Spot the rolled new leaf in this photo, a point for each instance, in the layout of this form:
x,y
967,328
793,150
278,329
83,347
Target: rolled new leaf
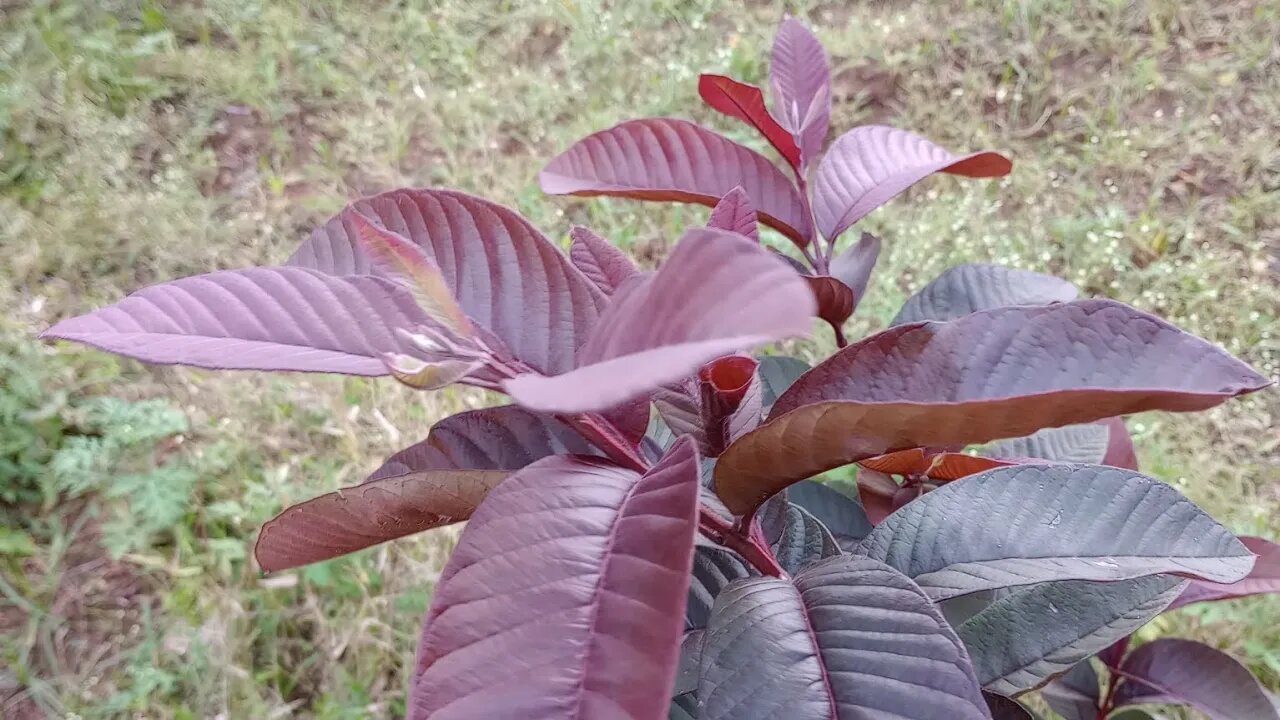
x,y
1058,522
649,337
577,567
870,165
847,638
1185,672
678,161
994,374
730,400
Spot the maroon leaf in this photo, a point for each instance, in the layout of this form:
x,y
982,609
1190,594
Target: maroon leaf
x,y
744,296
735,213
801,82
585,569
746,103
256,319
1120,452
853,266
834,299
1000,373
731,396
500,438
602,263
497,265
1263,579
362,516
1172,670
870,165
676,160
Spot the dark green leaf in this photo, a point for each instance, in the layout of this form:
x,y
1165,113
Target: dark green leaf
x,y
804,540
843,515
967,289
777,372
713,569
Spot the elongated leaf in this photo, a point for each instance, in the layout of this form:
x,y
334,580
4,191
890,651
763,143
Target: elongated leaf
x,y
713,569
505,275
1264,578
365,515
648,337
735,213
777,373
853,266
1058,522
994,374
870,165
850,638
1075,695
1027,637
579,569
746,103
1192,673
602,263
842,515
966,289
501,438
256,319
834,298
801,81
676,160
805,540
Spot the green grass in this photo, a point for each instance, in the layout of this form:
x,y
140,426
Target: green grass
x,y
142,141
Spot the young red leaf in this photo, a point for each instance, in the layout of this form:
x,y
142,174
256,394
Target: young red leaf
x,y
676,160
564,595
834,299
746,103
1000,373
801,81
1263,579
1120,452
256,319
649,336
505,275
362,516
966,289
735,213
853,266
730,395
870,165
602,263
1172,670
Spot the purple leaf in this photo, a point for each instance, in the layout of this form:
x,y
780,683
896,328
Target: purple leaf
x,y
1075,695
801,83
362,516
746,103
853,266
602,263
870,165
850,638
1192,673
994,374
500,438
744,297
578,569
256,319
966,289
1263,579
506,276
676,160
735,213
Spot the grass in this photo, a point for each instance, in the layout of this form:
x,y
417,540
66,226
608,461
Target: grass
x,y
141,141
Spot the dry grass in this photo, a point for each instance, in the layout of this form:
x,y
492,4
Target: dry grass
x,y
142,141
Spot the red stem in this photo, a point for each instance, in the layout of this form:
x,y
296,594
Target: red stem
x,y
818,258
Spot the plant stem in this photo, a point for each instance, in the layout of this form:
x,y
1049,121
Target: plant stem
x,y
818,258
840,339
606,436
717,530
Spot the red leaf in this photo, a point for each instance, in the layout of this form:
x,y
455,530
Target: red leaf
x,y
834,298
602,263
801,82
735,213
949,466
1000,373
1172,670
676,160
585,570
746,103
904,462
497,265
649,337
870,165
256,319
1264,579
362,516
731,397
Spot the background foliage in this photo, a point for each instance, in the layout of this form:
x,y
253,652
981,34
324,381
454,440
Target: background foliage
x,y
141,141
